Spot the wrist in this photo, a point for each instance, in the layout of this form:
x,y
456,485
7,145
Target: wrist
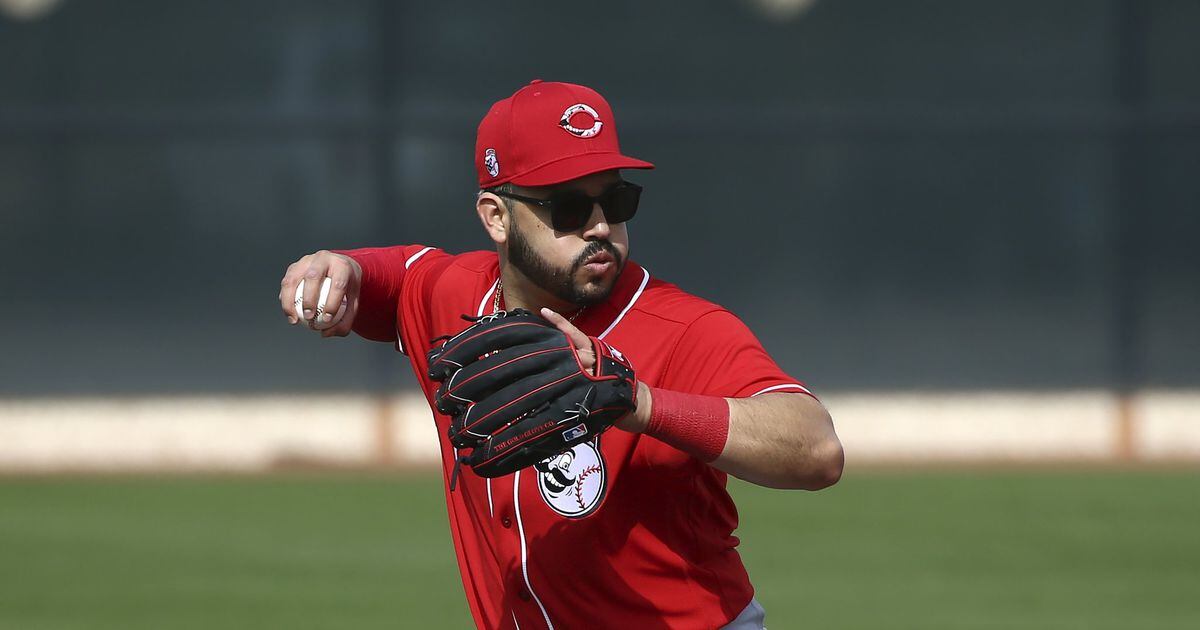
x,y
637,421
695,424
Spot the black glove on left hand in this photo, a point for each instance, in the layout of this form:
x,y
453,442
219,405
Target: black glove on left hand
x,y
517,393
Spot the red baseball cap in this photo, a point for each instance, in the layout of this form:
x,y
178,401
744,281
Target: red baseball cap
x,y
548,133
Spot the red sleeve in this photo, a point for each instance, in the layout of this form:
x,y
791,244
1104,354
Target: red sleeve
x,y
718,356
383,270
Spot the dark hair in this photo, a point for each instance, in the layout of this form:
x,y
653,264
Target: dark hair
x,y
506,187
501,190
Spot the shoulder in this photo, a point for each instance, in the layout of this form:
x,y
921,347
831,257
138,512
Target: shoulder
x,y
441,266
661,313
470,271
442,288
667,302
480,262
454,281
667,310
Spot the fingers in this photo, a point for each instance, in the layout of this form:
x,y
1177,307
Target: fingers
x,y
511,402
344,275
287,287
303,289
313,277
344,327
583,345
578,339
484,377
480,339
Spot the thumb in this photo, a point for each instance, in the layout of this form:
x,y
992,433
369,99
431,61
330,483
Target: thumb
x,y
583,345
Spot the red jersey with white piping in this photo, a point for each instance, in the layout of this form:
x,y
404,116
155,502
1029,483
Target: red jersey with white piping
x,y
623,531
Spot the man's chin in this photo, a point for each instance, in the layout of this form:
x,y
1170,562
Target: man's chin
x,y
596,289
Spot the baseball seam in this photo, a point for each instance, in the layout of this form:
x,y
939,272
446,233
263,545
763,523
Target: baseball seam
x,y
579,484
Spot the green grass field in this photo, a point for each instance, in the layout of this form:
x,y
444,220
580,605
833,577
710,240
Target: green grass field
x,y
931,549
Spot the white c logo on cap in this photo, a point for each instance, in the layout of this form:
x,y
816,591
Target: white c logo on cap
x,y
565,121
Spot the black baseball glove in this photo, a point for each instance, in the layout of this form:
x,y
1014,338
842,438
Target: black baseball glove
x,y
516,392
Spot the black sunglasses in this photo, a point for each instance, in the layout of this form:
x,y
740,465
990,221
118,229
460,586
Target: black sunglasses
x,y
571,209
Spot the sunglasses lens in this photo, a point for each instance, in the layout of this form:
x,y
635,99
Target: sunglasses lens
x,y
621,202
570,211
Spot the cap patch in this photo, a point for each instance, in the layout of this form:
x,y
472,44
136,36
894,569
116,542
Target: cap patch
x,y
491,162
580,132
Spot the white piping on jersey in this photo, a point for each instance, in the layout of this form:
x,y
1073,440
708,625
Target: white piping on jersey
x,y
514,614
408,263
524,555
412,259
487,297
517,475
785,386
636,295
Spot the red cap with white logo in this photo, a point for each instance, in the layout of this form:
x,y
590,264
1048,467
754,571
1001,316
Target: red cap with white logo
x,y
548,133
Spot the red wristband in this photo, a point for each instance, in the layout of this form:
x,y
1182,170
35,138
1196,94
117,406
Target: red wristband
x,y
697,425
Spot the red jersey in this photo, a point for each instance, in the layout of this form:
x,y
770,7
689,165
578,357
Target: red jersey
x,y
623,531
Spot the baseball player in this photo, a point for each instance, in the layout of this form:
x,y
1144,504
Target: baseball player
x,y
558,520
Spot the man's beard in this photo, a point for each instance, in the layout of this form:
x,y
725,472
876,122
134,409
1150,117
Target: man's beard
x,y
561,282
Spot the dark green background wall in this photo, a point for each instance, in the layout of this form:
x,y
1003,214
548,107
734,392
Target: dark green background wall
x,y
925,194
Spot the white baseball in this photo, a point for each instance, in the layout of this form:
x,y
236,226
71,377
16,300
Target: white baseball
x,y
315,323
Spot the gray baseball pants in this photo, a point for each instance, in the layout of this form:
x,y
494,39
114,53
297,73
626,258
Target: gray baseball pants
x,y
752,618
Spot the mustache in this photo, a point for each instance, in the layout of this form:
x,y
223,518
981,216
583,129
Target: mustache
x,y
595,247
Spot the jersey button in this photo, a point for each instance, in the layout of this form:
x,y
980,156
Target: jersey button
x,y
523,594
506,522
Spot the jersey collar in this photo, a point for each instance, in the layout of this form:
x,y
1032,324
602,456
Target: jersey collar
x,y
599,320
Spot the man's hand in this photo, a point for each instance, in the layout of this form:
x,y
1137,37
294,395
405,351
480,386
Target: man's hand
x,y
346,277
517,391
635,422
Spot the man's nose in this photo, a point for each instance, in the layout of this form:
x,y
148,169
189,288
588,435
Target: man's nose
x,y
597,225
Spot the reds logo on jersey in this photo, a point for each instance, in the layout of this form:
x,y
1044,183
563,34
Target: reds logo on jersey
x,y
573,482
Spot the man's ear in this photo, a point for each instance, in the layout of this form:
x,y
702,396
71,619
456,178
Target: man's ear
x,y
493,214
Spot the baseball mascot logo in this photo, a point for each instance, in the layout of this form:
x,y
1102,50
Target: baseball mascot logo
x,y
573,482
491,162
581,132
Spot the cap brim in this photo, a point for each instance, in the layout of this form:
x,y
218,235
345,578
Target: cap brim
x,y
577,166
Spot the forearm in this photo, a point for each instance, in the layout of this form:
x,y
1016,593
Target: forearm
x,y
779,440
782,441
379,290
